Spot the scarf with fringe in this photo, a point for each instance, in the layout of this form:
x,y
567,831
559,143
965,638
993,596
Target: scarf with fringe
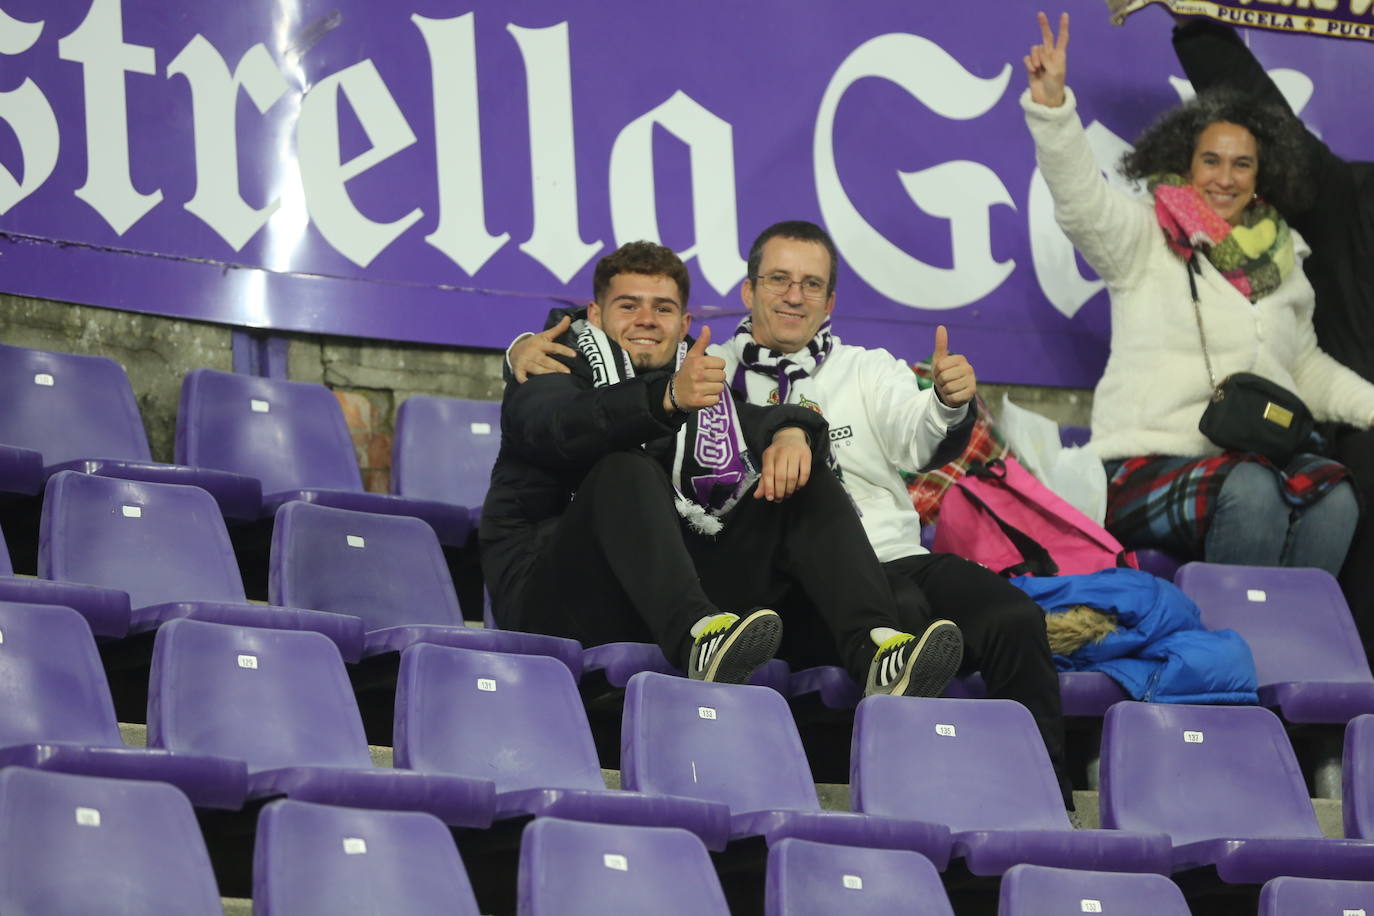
x,y
1255,256
712,466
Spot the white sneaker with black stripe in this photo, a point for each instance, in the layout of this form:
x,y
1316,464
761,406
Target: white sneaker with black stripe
x,y
911,667
731,648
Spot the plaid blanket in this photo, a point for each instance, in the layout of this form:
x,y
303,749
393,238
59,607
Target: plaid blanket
x,y
1166,503
985,443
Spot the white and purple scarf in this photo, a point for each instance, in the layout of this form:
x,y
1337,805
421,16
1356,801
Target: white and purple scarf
x,y
712,466
785,367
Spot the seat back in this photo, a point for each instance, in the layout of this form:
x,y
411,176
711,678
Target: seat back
x,y
444,448
387,569
322,860
572,868
821,879
983,764
1201,773
1288,895
51,679
79,844
159,542
729,743
67,406
7,568
289,435
517,720
1296,621
274,698
1035,890
1357,778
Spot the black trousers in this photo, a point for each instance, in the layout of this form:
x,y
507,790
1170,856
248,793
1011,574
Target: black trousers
x,y
1354,448
1004,635
620,564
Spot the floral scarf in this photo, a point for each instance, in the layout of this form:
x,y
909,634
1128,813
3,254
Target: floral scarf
x,y
1255,256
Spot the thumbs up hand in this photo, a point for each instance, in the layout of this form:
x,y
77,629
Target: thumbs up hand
x,y
700,380
955,383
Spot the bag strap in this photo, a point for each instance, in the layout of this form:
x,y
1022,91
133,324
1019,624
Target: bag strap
x,y
1191,266
1036,559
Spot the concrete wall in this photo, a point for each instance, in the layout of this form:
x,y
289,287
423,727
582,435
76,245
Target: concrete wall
x,y
370,378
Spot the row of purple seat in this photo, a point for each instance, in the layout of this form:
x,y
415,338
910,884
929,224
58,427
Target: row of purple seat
x,y
253,443
239,713
78,844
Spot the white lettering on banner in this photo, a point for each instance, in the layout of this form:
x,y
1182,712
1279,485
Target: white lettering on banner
x,y
556,241
27,111
710,145
325,177
962,192
1052,254
462,231
98,45
214,106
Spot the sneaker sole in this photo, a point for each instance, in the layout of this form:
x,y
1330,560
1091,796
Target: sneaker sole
x,y
753,643
934,661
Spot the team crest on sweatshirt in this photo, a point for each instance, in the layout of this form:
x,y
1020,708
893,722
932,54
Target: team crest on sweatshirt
x,y
804,402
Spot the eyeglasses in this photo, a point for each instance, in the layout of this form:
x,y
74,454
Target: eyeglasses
x,y
779,284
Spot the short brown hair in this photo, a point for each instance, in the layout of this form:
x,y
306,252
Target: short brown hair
x,y
641,258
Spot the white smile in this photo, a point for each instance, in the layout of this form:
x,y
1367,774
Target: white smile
x,y
789,316
644,342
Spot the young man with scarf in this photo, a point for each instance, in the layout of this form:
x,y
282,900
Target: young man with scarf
x,y
634,498
881,423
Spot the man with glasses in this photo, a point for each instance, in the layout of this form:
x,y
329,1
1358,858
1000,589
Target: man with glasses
x,y
881,423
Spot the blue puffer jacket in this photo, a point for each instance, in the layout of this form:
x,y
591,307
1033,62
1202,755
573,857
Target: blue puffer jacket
x,y
1159,651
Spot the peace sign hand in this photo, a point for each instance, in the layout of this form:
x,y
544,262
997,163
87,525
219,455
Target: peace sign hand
x,y
1047,62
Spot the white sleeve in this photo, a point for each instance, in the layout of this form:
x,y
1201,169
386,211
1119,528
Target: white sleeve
x,y
910,422
1109,227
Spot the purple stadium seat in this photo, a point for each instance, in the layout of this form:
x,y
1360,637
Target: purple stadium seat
x,y
50,669
280,699
1081,693
738,744
21,471
444,449
518,720
1289,896
984,772
1357,778
1224,783
821,879
322,860
1034,890
389,571
292,436
79,413
80,844
1307,652
620,661
168,549
106,610
573,868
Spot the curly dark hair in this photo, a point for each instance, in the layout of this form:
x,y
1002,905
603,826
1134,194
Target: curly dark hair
x,y
1168,144
641,258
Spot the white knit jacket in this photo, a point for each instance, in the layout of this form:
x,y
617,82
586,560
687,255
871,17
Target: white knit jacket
x,y
1155,386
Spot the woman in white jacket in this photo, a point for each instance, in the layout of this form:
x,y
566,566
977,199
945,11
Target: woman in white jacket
x,y
1220,169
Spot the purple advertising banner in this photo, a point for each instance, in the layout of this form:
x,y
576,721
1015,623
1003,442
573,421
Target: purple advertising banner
x,y
428,170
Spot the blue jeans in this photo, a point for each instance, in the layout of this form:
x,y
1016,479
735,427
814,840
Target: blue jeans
x,y
1253,526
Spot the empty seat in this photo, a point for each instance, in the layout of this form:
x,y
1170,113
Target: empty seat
x,y
292,436
821,879
168,549
617,662
738,744
62,718
389,571
281,700
79,413
1308,655
984,771
323,860
74,845
444,450
1357,778
1287,896
1224,783
518,721
1034,890
573,868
